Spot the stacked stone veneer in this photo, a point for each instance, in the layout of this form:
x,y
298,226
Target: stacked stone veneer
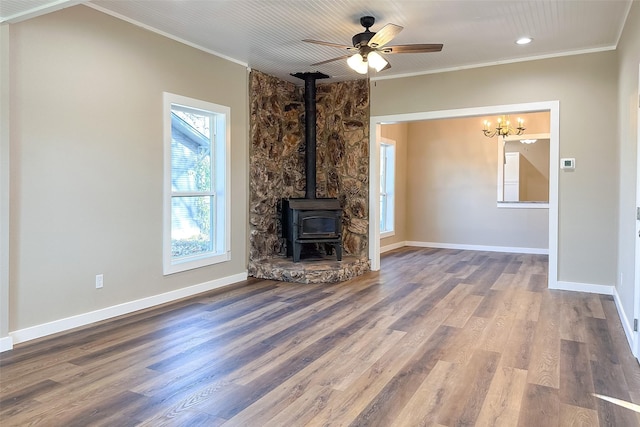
x,y
277,166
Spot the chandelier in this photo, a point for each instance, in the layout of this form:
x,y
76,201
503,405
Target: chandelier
x,y
503,128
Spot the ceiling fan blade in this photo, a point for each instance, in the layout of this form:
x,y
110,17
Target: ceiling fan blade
x,y
386,67
341,46
385,35
413,48
331,60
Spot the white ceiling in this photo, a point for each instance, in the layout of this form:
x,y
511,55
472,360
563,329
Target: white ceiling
x,y
267,34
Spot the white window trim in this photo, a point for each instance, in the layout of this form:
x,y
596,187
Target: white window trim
x,y
392,231
222,147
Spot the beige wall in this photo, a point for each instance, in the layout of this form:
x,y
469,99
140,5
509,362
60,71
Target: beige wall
x,y
452,188
399,134
87,161
586,87
628,62
4,185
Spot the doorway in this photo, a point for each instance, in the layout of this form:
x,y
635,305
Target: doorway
x,y
553,107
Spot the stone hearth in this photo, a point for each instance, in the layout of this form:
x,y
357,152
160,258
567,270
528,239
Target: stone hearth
x,y
321,269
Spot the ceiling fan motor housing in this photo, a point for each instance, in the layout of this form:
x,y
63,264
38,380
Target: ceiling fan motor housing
x,y
362,39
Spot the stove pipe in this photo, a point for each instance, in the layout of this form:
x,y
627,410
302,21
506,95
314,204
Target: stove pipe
x,y
310,129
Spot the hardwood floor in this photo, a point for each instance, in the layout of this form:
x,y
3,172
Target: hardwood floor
x,y
437,337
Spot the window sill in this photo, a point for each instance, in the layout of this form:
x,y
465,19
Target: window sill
x,y
524,205
190,264
386,234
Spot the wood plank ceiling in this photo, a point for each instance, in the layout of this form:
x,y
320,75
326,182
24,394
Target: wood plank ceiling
x,y
267,34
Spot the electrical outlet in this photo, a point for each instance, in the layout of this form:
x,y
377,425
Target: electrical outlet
x,y
99,281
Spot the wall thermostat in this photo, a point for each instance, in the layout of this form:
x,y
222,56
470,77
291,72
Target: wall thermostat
x,y
568,164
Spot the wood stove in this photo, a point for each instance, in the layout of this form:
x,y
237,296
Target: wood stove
x,y
311,220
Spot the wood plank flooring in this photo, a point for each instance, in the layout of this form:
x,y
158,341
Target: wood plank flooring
x,y
436,338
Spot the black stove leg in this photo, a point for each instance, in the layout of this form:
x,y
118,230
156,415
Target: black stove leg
x,y
297,248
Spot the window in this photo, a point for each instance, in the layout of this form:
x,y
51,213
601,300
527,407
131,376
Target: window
x,y
387,185
196,183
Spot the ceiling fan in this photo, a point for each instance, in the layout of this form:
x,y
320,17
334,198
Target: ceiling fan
x,y
368,47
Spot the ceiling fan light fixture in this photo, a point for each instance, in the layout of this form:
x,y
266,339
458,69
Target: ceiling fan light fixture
x,y
376,61
368,47
358,64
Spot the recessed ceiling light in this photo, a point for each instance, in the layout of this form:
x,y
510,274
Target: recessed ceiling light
x,y
524,40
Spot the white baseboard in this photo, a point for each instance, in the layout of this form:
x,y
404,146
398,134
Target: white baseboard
x,y
392,246
583,287
6,343
624,319
84,319
517,250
